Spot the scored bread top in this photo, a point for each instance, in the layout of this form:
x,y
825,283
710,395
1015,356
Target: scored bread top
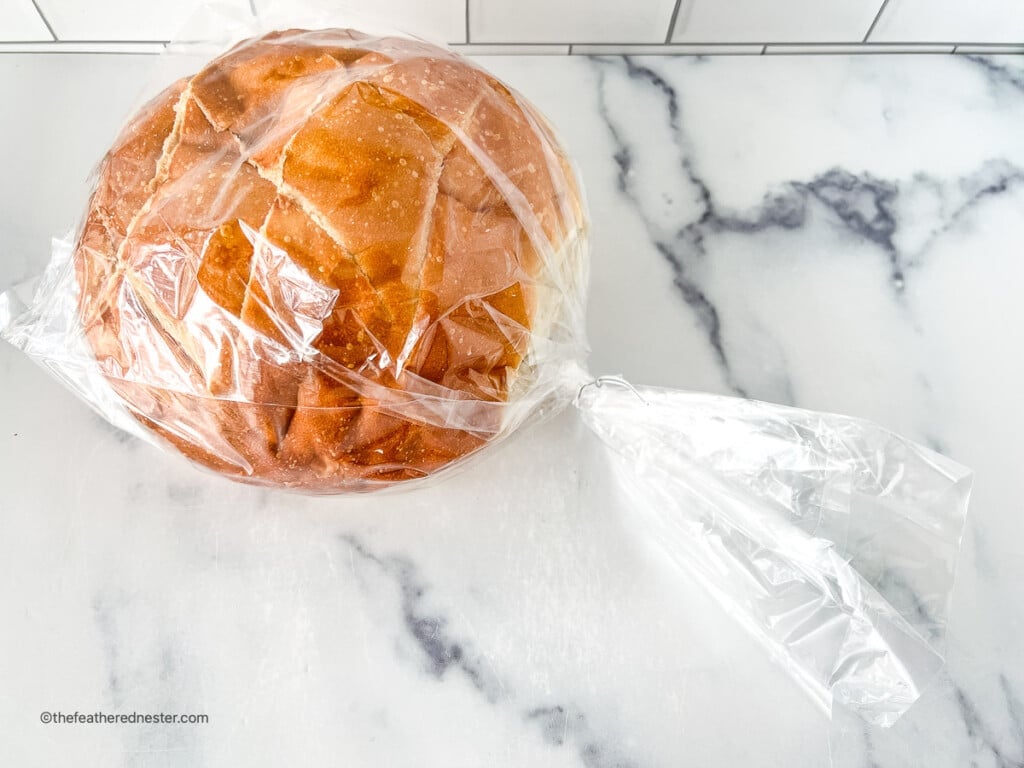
x,y
321,261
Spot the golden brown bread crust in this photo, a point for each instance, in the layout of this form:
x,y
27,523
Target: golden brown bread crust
x,y
316,262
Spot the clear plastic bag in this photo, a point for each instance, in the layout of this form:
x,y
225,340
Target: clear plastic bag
x,y
337,262
829,538
329,261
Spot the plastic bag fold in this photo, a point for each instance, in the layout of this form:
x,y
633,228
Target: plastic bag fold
x,y
830,539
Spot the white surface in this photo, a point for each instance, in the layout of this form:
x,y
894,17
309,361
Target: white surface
x,y
442,21
766,21
978,21
83,47
840,233
569,21
861,48
566,21
990,49
117,19
691,50
20,21
498,49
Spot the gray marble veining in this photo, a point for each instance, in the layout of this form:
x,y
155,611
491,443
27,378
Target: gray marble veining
x,y
837,233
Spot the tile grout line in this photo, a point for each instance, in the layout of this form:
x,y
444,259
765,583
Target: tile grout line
x,y
901,52
875,21
672,21
467,22
79,53
46,21
56,51
57,44
61,46
649,44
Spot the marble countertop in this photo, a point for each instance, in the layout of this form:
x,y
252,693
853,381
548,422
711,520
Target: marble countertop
x,y
838,233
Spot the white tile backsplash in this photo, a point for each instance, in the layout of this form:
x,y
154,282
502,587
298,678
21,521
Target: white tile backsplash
x,y
499,49
442,21
116,19
86,46
678,50
858,48
967,21
20,21
569,21
766,21
991,50
566,26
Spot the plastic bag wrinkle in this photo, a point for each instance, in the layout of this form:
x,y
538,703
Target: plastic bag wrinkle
x,y
227,296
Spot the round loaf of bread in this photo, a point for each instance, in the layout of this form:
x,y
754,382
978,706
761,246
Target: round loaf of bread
x,y
331,261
